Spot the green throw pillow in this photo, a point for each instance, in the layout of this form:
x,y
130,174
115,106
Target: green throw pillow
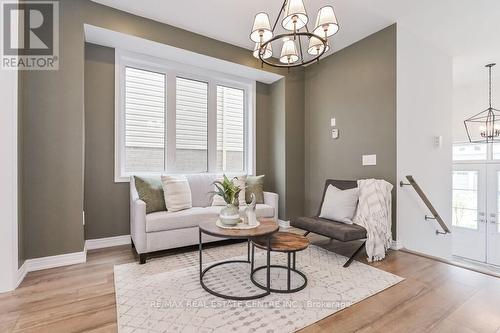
x,y
150,191
255,185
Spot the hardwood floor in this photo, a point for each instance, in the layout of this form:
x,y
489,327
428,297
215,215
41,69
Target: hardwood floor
x,y
435,297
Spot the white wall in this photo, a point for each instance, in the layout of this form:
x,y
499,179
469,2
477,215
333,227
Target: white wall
x,y
424,110
8,179
470,98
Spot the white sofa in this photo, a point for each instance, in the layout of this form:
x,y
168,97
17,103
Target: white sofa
x,y
167,230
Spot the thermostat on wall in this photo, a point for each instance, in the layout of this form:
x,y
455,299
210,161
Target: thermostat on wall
x,y
335,133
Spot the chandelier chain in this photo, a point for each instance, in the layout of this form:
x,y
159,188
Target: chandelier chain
x,y
490,86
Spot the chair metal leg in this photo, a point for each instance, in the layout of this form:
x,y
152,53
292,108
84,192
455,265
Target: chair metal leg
x,y
307,233
349,261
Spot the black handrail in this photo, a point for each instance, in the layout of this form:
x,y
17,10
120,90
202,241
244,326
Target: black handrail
x,y
435,214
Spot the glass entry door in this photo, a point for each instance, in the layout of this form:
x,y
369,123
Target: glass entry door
x,y
476,212
492,217
469,211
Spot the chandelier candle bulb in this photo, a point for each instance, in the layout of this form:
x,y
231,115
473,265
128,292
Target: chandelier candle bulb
x,y
316,46
267,52
261,31
289,52
295,15
326,22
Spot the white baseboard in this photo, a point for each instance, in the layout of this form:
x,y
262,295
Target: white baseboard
x,y
284,224
396,245
21,274
66,259
100,243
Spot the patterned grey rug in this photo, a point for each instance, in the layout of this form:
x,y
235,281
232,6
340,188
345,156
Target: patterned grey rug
x,y
165,295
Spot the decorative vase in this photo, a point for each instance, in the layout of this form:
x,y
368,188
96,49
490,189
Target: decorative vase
x,y
251,217
230,215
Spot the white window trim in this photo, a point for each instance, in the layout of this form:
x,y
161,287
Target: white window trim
x,y
172,70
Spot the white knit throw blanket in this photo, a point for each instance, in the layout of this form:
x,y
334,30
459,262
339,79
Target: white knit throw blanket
x,y
374,213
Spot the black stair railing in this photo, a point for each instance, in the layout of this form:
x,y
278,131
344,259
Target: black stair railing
x,y
435,214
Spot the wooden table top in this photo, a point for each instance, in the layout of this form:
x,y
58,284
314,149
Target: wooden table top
x,y
284,242
267,226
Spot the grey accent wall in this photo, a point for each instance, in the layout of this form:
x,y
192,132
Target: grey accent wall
x,y
21,255
284,123
294,140
52,147
52,125
357,86
276,123
106,203
262,130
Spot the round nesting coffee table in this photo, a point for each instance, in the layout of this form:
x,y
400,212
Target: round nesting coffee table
x,y
285,242
264,231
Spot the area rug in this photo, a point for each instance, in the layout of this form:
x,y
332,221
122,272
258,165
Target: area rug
x,y
165,295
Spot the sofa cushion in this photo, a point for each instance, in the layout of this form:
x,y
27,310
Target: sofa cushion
x,y
201,189
161,221
177,193
339,205
336,230
255,185
150,191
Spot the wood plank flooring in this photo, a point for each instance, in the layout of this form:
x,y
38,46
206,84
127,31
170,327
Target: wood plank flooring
x,y
435,297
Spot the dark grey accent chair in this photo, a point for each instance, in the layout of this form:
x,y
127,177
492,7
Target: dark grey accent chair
x,y
336,230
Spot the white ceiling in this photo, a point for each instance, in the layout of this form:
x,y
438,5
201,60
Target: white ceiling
x,y
468,30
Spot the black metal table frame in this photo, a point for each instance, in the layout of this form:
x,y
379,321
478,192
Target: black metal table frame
x,y
206,269
290,267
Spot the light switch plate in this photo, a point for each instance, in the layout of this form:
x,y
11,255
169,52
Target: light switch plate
x,y
438,141
333,122
369,159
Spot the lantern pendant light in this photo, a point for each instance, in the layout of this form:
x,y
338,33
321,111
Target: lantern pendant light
x,y
484,127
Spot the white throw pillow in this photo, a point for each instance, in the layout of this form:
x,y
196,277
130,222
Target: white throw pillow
x,y
177,193
240,181
339,205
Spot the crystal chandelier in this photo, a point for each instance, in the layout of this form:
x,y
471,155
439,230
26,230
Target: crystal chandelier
x,y
295,37
484,126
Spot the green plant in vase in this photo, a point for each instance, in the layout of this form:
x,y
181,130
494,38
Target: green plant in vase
x,y
229,191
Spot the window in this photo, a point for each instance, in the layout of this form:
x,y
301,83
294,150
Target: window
x,y
173,118
496,151
144,120
191,126
465,199
230,129
469,152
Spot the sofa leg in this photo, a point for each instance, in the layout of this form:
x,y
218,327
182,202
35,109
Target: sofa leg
x,y
349,261
142,258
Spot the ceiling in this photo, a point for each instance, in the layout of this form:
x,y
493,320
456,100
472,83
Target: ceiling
x,y
468,30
